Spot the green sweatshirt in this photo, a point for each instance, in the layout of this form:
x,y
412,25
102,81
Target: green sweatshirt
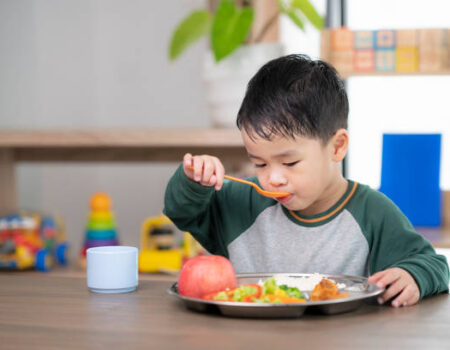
x,y
364,232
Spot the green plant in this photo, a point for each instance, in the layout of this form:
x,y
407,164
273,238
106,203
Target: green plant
x,y
230,25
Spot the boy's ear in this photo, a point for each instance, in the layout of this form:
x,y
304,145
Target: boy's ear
x,y
339,145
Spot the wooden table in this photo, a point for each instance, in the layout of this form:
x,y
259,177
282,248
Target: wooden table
x,y
56,311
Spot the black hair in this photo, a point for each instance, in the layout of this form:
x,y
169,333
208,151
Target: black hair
x,y
294,96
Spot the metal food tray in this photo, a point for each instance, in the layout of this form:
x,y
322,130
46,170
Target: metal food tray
x,y
358,288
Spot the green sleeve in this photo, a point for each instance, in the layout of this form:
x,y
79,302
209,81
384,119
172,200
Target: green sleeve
x,y
214,218
393,242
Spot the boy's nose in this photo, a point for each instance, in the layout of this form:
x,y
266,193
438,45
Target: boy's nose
x,y
277,179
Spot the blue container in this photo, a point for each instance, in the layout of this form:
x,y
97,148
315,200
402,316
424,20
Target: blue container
x,y
410,175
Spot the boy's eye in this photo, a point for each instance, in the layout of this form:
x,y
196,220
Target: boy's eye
x,y
260,165
291,163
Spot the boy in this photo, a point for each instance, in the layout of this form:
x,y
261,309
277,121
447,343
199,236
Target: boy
x,y
293,122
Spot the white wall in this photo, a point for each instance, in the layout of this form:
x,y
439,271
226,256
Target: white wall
x,y
415,104
297,41
96,64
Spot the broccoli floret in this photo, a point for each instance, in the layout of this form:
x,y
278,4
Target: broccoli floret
x,y
293,292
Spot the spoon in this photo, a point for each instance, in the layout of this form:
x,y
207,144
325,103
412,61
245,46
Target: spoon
x,y
257,188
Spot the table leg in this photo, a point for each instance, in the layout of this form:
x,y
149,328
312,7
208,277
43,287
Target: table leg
x,y
8,199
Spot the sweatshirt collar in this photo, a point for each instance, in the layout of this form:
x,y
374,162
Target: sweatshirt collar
x,y
321,218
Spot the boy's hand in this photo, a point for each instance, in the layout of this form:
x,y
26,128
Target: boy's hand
x,y
398,282
207,170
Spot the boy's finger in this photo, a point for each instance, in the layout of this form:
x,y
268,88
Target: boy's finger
x,y
391,291
377,276
198,168
208,171
187,160
406,297
390,277
220,172
411,297
212,180
187,165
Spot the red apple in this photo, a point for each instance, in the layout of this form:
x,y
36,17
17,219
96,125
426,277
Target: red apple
x,y
206,274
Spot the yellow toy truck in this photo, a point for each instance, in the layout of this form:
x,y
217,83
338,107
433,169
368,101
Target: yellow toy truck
x,y
164,248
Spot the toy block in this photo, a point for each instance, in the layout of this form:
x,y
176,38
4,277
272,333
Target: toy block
x,y
341,39
431,60
325,45
385,39
407,37
407,59
432,38
385,60
364,39
433,50
342,61
448,50
364,60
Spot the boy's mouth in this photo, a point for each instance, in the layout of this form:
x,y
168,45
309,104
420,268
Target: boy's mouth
x,y
284,199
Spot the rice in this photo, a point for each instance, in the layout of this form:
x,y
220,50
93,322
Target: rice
x,y
304,283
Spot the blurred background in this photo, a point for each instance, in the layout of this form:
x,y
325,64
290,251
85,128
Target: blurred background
x,y
104,64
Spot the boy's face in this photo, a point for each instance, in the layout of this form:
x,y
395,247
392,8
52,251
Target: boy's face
x,y
304,167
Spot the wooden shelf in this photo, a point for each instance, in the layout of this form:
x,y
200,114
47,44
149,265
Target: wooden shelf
x,y
119,145
421,52
122,138
346,75
152,145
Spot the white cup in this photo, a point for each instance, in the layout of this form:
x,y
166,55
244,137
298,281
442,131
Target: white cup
x,y
112,269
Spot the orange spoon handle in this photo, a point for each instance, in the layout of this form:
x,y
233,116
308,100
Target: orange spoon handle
x,y
258,189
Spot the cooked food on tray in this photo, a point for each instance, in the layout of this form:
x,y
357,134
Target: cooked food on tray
x,y
305,283
271,292
326,290
268,292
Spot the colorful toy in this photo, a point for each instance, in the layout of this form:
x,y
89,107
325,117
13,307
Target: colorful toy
x,y
30,240
385,39
407,37
342,39
404,50
407,59
364,39
101,226
160,251
434,50
364,60
385,60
